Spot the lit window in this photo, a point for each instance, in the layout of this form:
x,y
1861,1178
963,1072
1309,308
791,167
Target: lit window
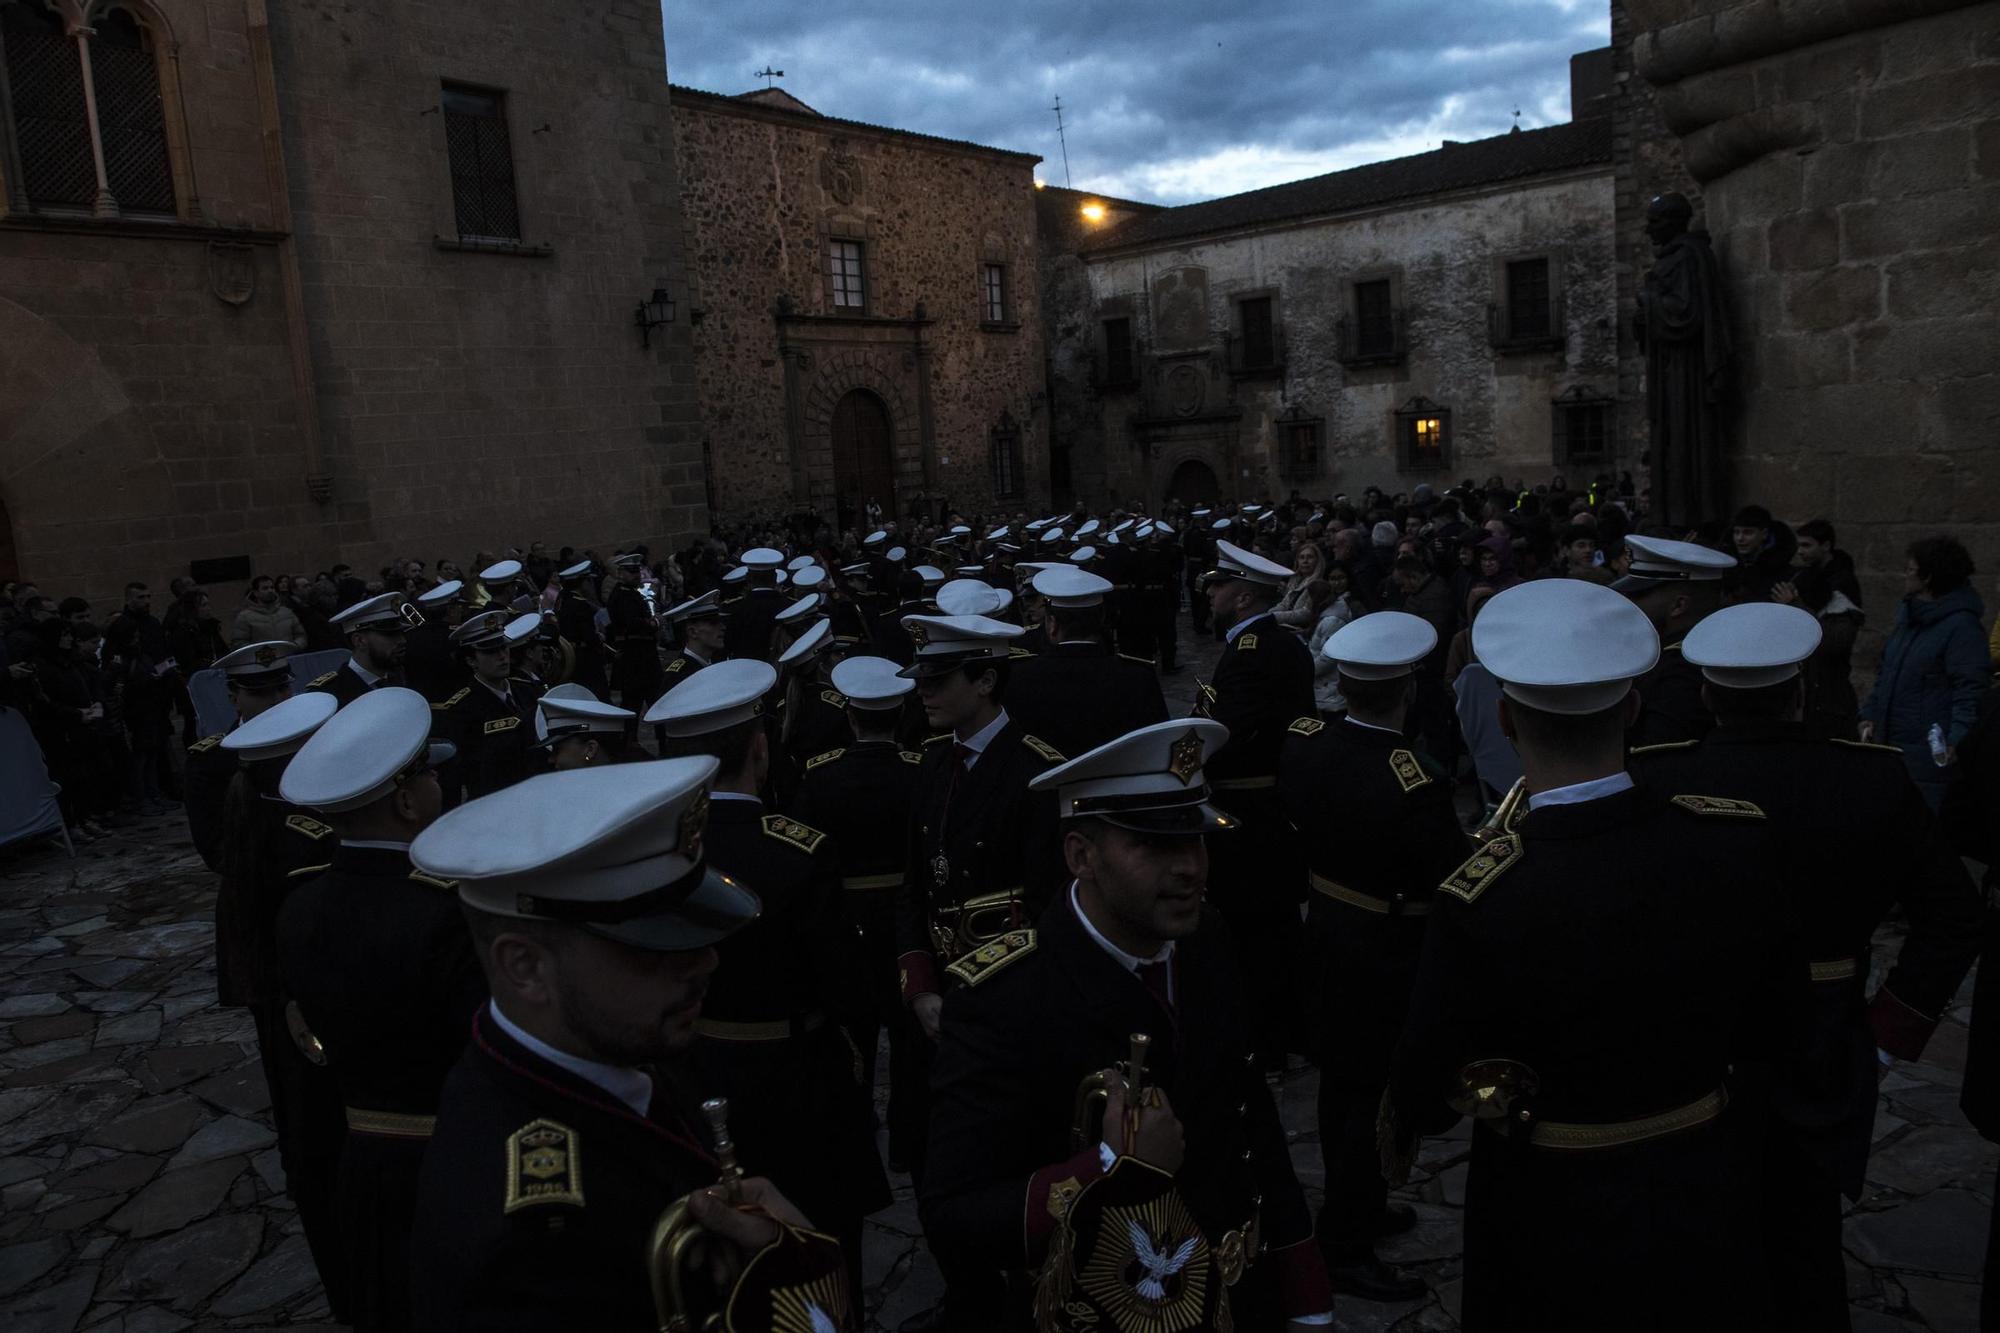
x,y
843,260
1423,436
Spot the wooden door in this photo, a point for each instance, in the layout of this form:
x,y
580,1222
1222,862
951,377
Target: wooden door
x,y
864,458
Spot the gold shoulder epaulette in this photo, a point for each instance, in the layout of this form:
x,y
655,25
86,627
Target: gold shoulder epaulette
x,y
1482,868
941,736
453,701
303,871
987,959
318,681
542,1166
1245,642
501,724
675,667
1043,748
1666,745
1130,658
802,836
911,756
307,825
1720,805
1306,726
1409,770
834,697
432,880
1019,652
826,758
1866,745
205,744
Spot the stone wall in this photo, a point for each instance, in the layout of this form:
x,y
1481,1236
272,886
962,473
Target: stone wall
x,y
147,405
1849,159
472,399
765,187
1444,255
294,371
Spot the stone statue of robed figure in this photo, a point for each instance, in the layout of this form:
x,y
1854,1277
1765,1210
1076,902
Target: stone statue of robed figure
x,y
1683,324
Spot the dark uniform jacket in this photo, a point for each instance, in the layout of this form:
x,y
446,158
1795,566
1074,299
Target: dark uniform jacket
x,y
1627,950
773,1036
679,667
377,957
635,674
1262,682
1857,836
344,684
1378,833
818,724
431,663
749,630
576,620
495,737
1019,1035
1077,696
289,841
861,796
976,837
539,1195
1670,706
204,788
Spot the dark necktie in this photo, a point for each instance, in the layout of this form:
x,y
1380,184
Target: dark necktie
x,y
1156,980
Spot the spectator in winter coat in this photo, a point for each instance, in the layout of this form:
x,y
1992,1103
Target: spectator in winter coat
x,y
1934,666
265,618
1824,584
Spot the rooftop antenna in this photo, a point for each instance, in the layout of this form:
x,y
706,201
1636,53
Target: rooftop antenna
x,y
767,74
1517,120
1064,139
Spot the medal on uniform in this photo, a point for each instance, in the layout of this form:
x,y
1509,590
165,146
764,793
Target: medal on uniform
x,y
940,870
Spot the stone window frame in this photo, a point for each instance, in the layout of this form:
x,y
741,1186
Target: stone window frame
x,y
854,231
1291,465
1420,408
1501,333
1562,450
1115,308
515,111
1006,321
1234,338
1348,325
77,17
1006,462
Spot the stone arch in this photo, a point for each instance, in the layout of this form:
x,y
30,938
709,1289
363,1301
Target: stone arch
x,y
834,375
1174,458
80,469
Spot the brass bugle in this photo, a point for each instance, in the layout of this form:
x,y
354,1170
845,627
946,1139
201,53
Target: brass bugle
x,y
1093,1092
1505,813
677,1258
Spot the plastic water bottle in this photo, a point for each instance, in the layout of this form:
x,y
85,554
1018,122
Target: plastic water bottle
x,y
1939,749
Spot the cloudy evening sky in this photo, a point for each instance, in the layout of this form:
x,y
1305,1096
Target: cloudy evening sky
x,y
1169,100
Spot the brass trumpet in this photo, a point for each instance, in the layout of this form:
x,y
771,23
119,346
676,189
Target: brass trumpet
x,y
678,1257
1093,1092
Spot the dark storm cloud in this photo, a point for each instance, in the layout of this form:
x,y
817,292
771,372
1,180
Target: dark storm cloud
x,y
1169,101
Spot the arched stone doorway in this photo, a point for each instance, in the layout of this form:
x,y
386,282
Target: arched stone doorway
x,y
864,458
1193,483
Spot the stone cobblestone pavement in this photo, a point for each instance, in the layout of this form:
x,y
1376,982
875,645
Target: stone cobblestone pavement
x,y
140,1190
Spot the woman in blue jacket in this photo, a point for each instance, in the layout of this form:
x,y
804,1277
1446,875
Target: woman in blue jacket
x,y
1934,665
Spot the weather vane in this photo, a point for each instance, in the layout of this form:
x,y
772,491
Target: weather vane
x,y
767,74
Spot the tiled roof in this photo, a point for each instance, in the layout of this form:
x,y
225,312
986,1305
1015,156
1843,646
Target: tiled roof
x,y
1505,157
697,97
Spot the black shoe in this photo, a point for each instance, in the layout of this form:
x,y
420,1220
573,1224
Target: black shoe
x,y
1394,1220
1373,1280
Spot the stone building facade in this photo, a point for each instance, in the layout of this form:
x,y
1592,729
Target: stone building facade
x,y
1425,319
1849,167
869,314
360,280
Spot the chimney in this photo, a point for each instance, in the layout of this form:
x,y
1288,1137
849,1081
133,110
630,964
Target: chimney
x,y
1590,84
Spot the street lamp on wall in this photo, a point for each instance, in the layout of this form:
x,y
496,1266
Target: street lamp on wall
x,y
651,313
